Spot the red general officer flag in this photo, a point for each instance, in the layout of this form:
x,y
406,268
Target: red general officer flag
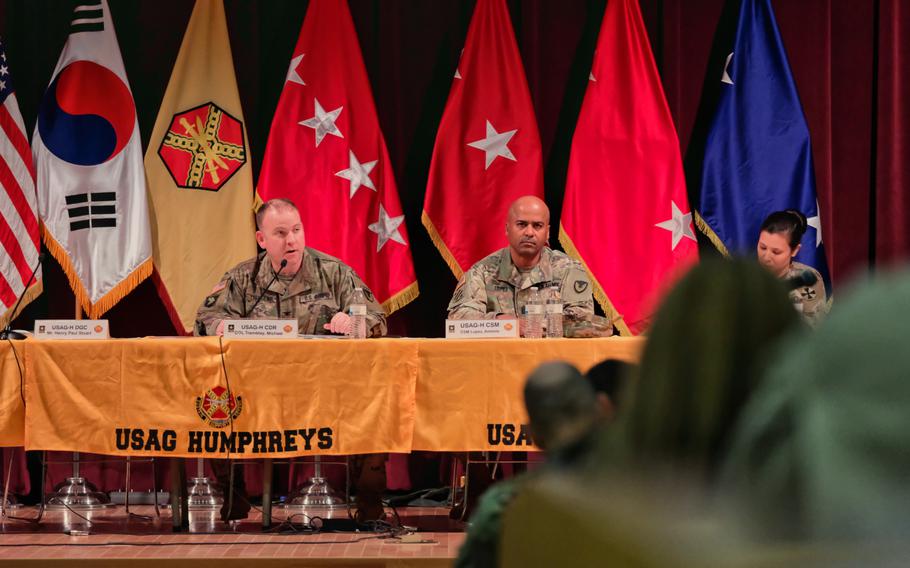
x,y
487,150
626,215
327,154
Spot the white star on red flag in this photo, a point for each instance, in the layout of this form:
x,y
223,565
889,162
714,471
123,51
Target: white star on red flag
x,y
293,76
386,228
494,145
679,224
323,122
358,173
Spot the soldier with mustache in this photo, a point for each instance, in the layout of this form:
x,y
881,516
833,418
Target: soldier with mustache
x,y
498,286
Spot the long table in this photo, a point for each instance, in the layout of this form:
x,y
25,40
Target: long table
x,y
242,398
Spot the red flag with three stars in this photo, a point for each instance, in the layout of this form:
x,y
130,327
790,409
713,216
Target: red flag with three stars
x,y
327,154
487,150
626,215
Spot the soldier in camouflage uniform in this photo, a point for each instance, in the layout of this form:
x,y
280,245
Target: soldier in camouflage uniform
x,y
778,244
498,286
315,289
322,288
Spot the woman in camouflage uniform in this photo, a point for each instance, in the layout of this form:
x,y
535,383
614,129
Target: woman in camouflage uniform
x,y
778,244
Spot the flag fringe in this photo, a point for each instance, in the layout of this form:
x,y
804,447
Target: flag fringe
x,y
33,292
599,293
121,290
168,303
712,236
401,298
106,302
440,245
66,264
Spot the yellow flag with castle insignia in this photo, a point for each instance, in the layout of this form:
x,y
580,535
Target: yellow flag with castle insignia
x,y
199,179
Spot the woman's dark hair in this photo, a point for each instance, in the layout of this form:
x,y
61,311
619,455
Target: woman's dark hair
x,y
790,221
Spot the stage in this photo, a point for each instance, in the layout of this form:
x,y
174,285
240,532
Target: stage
x,y
116,539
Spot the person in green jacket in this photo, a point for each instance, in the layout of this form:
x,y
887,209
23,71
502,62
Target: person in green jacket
x,y
565,413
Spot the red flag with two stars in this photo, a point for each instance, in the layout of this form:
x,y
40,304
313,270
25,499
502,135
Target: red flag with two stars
x,y
487,150
626,215
327,154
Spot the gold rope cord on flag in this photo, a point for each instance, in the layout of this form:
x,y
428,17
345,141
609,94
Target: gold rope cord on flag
x,y
109,300
30,294
601,296
401,298
712,236
440,245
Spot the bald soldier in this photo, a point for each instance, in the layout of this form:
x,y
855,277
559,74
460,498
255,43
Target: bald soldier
x,y
498,286
312,287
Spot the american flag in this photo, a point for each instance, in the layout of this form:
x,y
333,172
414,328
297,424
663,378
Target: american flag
x,y
19,239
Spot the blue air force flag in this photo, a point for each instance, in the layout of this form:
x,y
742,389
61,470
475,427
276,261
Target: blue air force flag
x,y
758,158
88,160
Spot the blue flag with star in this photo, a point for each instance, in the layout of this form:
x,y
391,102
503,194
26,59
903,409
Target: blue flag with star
x,y
758,158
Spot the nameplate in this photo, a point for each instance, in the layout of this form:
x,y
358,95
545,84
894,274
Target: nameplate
x,y
72,329
260,328
481,329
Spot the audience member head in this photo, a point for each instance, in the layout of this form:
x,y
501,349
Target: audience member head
x,y
561,405
707,349
608,378
823,448
779,238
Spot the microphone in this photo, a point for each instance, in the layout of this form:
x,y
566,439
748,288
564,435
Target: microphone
x,y
8,332
802,279
284,262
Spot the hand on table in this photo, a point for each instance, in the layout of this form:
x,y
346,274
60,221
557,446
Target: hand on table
x,y
341,323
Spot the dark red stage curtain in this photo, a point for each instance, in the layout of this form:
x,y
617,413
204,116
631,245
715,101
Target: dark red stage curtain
x,y
892,203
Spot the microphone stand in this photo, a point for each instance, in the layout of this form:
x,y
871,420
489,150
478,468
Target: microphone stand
x,y
8,332
284,262
229,491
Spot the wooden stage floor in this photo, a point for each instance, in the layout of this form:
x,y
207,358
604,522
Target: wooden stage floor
x,y
139,539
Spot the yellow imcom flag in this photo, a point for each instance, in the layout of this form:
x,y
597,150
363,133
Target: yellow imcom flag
x,y
198,164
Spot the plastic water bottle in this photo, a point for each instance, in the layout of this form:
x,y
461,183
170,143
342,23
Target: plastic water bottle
x,y
535,315
554,312
358,313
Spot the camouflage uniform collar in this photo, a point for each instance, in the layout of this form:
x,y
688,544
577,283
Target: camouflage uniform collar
x,y
796,267
301,282
509,273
